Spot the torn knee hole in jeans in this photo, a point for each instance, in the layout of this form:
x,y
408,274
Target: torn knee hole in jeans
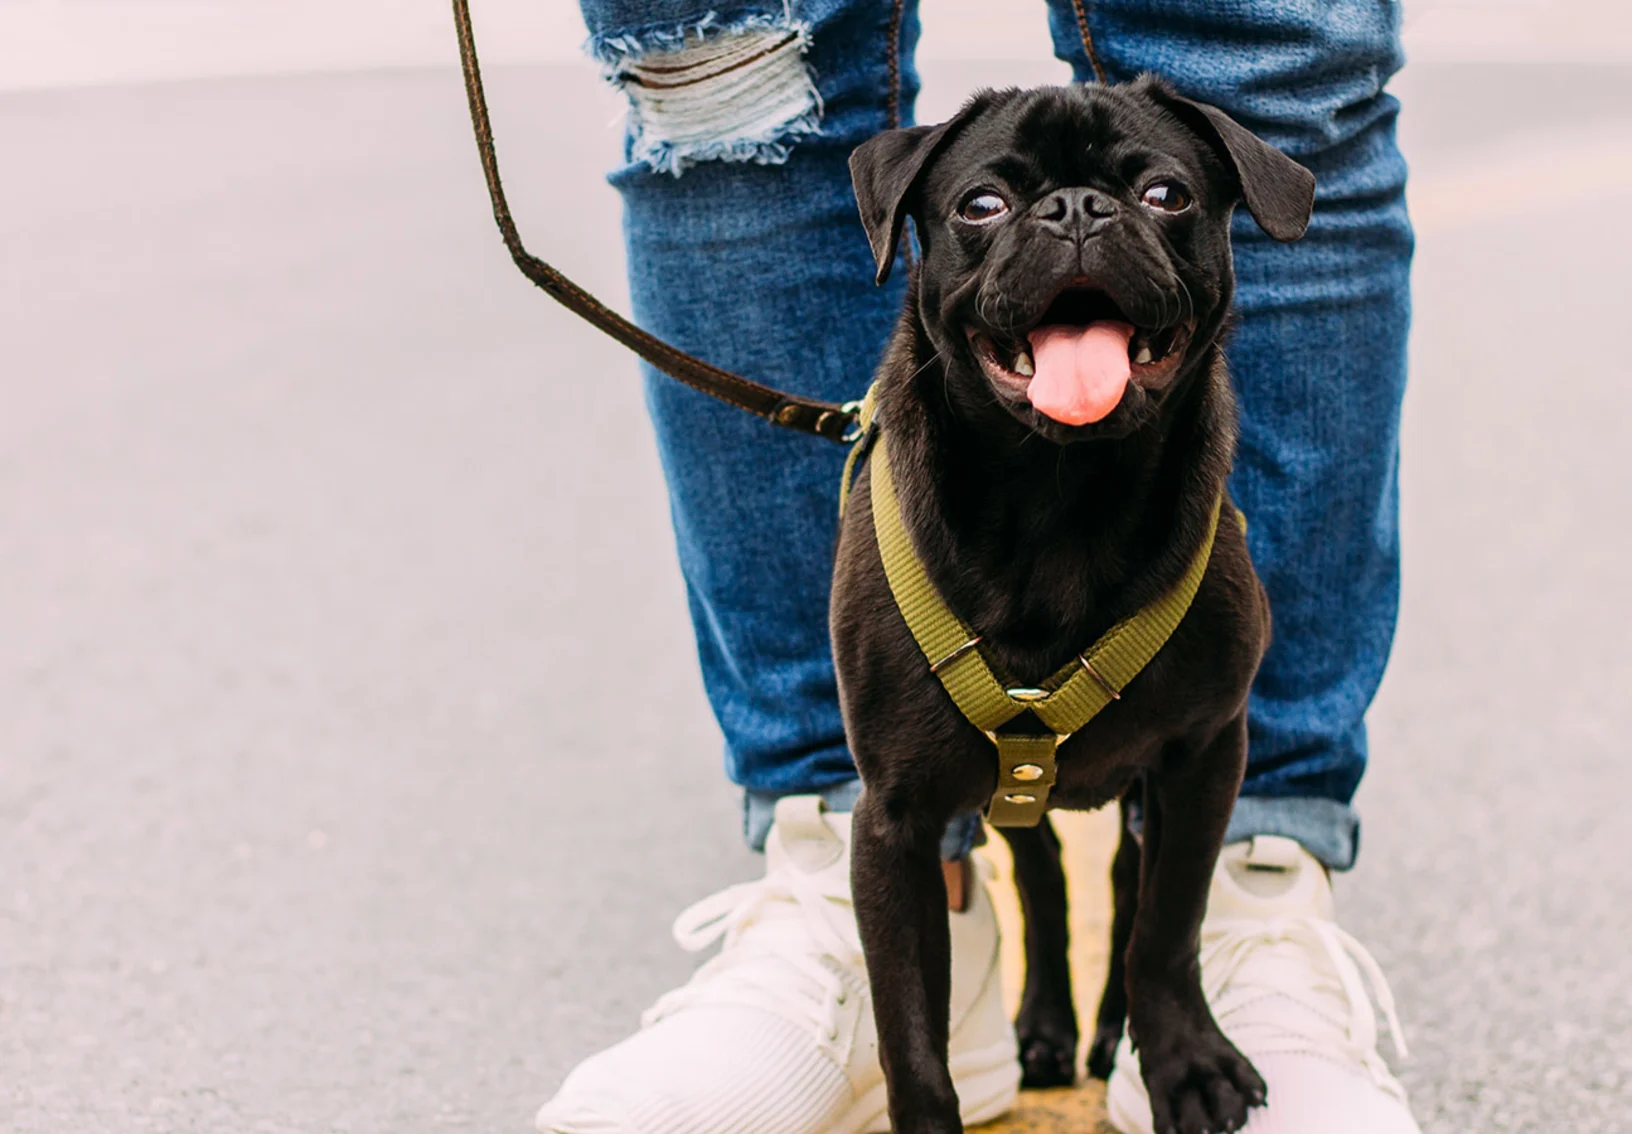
x,y
705,93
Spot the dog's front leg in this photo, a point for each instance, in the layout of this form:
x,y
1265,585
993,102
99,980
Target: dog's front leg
x,y
900,896
1198,1082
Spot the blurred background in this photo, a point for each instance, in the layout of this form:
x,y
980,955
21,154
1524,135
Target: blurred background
x,y
323,538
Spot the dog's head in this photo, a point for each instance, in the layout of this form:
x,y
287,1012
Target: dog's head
x,y
1076,245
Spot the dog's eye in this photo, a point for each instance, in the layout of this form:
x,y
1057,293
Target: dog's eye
x,y
982,206
1167,197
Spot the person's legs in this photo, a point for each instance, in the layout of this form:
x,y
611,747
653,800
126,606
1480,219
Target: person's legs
x,y
744,248
1319,360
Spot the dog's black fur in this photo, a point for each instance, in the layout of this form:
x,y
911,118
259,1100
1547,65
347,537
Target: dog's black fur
x,y
1042,536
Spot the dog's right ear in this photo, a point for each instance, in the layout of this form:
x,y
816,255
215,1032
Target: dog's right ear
x,y
884,170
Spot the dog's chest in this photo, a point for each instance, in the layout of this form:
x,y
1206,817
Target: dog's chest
x,y
1092,775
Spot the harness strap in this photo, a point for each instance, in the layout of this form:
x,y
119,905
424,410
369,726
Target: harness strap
x,y
824,419
1069,699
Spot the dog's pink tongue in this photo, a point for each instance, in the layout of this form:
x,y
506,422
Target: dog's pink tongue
x,y
1081,371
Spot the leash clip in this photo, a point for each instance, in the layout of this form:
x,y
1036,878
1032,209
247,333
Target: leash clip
x,y
854,431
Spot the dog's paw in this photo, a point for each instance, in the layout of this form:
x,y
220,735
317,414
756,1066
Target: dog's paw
x,y
1102,1052
1206,1087
1047,1060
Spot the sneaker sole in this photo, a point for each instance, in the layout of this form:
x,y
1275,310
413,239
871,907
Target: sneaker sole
x,y
988,1083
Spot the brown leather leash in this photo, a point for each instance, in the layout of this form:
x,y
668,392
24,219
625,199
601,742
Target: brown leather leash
x,y
824,419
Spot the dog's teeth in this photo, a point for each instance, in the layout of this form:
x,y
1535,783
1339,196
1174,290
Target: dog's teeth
x,y
1143,356
1023,365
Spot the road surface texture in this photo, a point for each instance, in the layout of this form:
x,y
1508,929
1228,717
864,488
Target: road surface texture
x,y
353,760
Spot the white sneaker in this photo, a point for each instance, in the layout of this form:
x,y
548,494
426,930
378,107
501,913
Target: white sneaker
x,y
775,1034
1290,990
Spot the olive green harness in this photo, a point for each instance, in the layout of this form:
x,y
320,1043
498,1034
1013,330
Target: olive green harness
x,y
1065,702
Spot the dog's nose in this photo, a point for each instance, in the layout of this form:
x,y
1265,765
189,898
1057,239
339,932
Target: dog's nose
x,y
1076,212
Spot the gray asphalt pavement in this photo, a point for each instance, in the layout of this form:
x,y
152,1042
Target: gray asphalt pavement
x,y
328,550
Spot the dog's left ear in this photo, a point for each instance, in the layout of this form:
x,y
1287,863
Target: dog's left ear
x,y
884,170
1280,193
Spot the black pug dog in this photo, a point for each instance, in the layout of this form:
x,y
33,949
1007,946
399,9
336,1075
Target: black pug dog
x,y
1060,425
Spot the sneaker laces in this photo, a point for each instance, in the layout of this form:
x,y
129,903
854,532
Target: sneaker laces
x,y
785,921
1247,963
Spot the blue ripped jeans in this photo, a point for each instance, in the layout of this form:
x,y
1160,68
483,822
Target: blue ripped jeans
x,y
744,247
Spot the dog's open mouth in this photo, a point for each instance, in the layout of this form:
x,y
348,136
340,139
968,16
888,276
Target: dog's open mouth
x,y
1075,363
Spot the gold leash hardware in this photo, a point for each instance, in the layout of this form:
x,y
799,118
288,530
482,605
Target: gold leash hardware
x,y
852,410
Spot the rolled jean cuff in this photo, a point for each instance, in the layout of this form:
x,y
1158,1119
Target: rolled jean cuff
x,y
759,808
1325,828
